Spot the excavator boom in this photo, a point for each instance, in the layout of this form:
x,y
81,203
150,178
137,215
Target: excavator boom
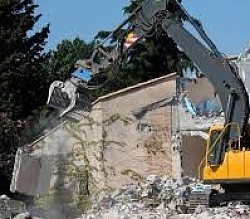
x,y
170,16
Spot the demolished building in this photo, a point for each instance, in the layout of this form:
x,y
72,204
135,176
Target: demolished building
x,y
140,130
156,127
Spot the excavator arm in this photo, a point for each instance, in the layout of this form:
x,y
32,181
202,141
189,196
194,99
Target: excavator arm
x,y
222,74
73,93
170,16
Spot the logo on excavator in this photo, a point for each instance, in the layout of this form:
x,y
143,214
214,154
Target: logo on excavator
x,y
130,39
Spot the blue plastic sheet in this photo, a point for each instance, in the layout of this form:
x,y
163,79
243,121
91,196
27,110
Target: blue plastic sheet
x,y
203,108
189,106
83,74
208,106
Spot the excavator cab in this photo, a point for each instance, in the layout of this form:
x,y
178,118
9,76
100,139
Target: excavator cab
x,y
232,167
212,144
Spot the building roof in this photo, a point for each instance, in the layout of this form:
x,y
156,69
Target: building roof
x,y
135,87
147,83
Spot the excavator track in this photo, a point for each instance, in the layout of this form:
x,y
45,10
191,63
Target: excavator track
x,y
233,193
224,198
198,199
214,198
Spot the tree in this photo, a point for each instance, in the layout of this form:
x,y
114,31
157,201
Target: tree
x,y
8,142
158,55
23,80
21,58
63,58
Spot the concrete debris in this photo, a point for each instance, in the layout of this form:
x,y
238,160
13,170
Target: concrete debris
x,y
31,175
153,198
26,215
9,207
243,64
23,216
161,197
207,108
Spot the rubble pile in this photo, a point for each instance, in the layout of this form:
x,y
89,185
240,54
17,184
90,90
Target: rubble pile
x,y
9,207
160,198
232,210
153,198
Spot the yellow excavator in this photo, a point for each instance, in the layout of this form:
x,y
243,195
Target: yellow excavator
x,y
227,159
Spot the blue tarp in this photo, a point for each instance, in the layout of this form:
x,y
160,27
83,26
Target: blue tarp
x,y
203,108
208,106
189,106
83,74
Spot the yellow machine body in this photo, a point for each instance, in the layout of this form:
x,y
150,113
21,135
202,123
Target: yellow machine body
x,y
235,165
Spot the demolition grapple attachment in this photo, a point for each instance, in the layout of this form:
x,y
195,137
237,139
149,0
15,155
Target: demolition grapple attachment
x,y
73,94
64,96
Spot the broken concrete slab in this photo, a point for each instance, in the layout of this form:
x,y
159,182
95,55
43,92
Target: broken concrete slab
x,y
31,175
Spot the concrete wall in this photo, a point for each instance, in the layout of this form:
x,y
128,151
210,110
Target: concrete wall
x,y
201,89
194,128
108,147
138,147
193,151
111,146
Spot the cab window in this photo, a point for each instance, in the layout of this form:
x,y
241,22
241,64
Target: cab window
x,y
213,137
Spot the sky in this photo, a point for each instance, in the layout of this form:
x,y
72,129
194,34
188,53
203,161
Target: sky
x,y
227,22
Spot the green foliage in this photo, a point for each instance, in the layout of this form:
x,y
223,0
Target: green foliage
x,y
63,58
22,76
23,79
158,55
8,141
